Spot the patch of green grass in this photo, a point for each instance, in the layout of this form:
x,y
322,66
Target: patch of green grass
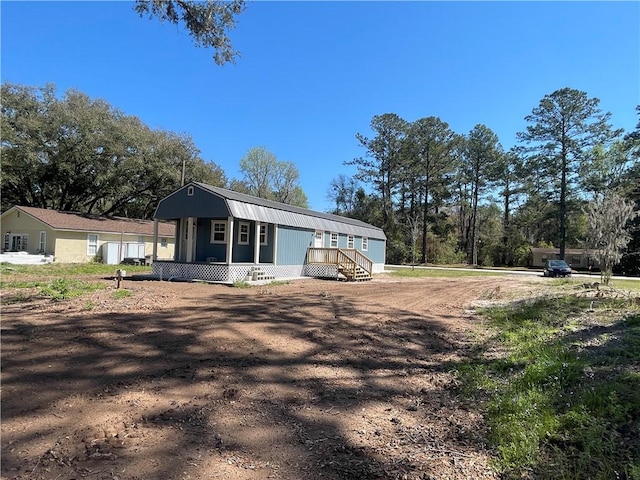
x,y
62,288
279,282
429,272
631,285
22,284
68,269
241,284
563,401
122,293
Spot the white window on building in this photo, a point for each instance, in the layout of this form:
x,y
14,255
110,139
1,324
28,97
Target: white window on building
x,y
16,242
333,243
163,243
350,241
243,233
365,244
92,244
190,191
42,246
218,232
263,234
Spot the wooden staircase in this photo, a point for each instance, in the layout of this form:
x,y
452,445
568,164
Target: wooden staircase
x,y
353,265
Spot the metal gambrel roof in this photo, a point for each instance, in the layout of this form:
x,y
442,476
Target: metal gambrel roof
x,y
248,207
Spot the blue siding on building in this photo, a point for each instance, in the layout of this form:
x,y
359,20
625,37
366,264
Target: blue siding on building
x,y
201,204
266,251
376,250
204,248
207,204
243,253
293,244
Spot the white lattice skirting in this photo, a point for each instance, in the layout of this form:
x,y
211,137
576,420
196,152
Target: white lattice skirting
x,y
215,272
321,271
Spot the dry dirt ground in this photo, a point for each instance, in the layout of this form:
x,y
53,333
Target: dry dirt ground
x,y
314,379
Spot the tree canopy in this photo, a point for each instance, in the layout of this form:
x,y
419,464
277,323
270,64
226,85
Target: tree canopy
x,y
208,21
563,130
266,177
463,198
80,154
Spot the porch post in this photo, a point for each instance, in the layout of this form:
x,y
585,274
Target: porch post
x,y
177,247
275,243
230,240
155,240
190,239
256,245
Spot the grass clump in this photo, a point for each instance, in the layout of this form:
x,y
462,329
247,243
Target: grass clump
x,y
562,400
122,293
63,288
241,284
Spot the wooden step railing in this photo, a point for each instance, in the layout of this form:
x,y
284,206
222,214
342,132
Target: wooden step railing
x,y
352,263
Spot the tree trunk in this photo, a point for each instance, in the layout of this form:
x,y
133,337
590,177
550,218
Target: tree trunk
x,y
505,228
563,202
425,221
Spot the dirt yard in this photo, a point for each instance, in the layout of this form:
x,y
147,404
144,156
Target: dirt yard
x,y
314,379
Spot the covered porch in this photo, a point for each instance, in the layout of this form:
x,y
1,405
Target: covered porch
x,y
221,250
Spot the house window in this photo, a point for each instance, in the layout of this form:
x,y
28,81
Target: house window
x,y
20,243
263,234
350,241
365,244
334,240
190,191
218,232
16,243
243,234
42,246
163,243
92,244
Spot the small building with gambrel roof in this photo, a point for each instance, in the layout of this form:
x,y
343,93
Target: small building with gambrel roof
x,y
228,236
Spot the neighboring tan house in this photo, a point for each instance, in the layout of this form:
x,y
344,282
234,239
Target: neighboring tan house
x,y
577,258
227,236
76,237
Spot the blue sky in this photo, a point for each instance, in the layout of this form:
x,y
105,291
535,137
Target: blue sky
x,y
313,74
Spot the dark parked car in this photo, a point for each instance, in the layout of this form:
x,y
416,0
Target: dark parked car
x,y
557,268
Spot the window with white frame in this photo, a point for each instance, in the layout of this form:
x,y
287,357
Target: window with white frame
x,y
163,243
350,241
218,232
263,234
243,233
365,244
333,243
42,246
92,244
20,243
190,191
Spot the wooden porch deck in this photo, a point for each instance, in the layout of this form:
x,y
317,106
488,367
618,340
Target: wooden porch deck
x,y
352,264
